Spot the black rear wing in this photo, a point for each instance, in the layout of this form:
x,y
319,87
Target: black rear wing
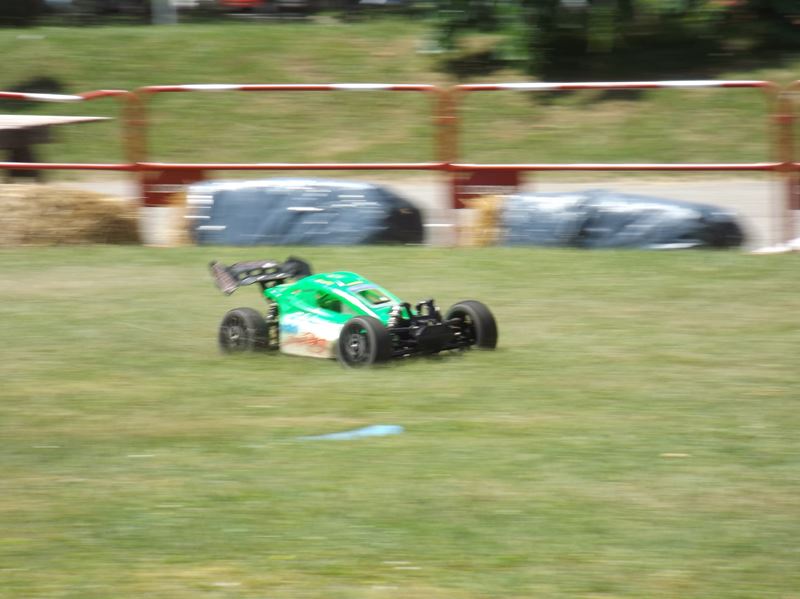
x,y
266,272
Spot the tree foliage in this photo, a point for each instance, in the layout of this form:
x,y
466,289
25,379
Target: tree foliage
x,y
20,13
543,35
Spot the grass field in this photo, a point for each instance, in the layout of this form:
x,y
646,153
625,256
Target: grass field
x,y
659,126
634,435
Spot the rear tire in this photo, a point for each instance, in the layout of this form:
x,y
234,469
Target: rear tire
x,y
243,329
363,341
475,322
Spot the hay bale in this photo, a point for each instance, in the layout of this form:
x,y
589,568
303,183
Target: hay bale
x,y
485,230
53,215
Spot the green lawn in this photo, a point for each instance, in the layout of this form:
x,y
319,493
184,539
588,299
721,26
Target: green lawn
x,y
699,125
634,435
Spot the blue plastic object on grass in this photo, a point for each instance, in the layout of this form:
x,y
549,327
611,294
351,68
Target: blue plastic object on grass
x,y
375,430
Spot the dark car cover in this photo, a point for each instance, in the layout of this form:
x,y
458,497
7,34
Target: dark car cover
x,y
606,219
300,212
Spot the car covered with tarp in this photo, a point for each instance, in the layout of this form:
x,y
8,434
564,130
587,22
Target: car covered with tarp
x,y
608,219
300,212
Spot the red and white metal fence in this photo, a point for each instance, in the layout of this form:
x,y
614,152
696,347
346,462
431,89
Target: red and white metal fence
x,y
128,102
161,179
144,92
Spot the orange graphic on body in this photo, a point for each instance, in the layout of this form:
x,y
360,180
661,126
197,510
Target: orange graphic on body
x,y
310,341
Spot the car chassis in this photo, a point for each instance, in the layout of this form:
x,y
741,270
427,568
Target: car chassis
x,y
342,315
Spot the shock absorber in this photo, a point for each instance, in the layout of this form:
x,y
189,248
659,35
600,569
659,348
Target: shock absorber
x,y
273,325
394,316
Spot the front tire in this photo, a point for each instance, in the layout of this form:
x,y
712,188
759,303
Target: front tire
x,y
363,341
475,323
243,329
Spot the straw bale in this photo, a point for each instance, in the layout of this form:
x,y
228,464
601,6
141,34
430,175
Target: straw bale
x,y
53,215
486,229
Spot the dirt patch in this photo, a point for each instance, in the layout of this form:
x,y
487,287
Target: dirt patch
x,y
53,215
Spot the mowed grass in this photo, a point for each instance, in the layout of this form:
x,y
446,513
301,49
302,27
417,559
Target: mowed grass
x,y
634,434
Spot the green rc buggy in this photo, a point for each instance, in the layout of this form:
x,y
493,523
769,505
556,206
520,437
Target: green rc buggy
x,y
342,315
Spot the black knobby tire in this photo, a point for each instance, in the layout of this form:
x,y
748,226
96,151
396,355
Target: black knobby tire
x,y
475,323
363,341
243,329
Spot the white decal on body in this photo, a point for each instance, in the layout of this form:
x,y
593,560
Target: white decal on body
x,y
308,335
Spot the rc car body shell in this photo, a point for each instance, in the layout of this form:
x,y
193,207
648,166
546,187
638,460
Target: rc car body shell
x,y
314,309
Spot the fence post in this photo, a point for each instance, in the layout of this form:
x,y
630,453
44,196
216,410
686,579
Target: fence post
x,y
787,117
